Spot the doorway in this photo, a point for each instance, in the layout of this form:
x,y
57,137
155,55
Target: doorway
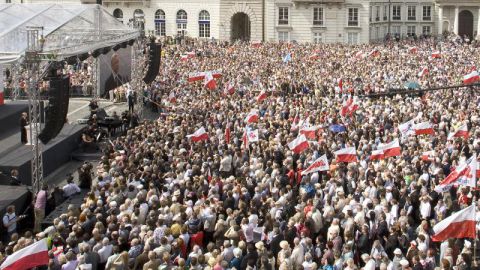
x,y
465,24
240,27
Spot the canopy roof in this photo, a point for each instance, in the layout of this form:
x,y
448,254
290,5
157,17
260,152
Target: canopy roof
x,y
67,29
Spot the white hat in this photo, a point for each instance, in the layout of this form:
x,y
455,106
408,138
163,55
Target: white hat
x,y
404,262
397,251
284,244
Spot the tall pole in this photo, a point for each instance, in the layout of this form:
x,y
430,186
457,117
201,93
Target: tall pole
x,y
389,20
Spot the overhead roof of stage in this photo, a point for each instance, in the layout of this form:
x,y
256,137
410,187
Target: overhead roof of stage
x,y
67,29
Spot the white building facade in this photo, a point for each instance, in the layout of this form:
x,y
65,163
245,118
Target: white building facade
x,y
327,21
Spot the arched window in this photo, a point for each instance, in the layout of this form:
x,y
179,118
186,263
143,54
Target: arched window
x,y
118,13
181,22
160,23
204,24
138,13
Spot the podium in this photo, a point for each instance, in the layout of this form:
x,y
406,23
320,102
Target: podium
x,y
27,127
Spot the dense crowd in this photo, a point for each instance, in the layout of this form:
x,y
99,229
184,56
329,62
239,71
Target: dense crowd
x,y
161,201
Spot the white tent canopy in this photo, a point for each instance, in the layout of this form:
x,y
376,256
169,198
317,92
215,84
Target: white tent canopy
x,y
67,29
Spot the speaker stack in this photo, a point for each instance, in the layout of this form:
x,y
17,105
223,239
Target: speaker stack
x,y
154,59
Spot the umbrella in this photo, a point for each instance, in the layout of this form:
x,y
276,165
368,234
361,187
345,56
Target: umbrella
x,y
337,128
412,85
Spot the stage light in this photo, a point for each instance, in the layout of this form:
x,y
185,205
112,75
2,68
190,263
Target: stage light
x,y
106,50
97,53
82,57
117,47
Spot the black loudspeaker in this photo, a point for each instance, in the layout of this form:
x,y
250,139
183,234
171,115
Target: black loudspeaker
x,y
154,59
57,109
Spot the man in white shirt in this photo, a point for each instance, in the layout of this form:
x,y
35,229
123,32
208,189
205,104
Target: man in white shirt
x,y
10,222
70,188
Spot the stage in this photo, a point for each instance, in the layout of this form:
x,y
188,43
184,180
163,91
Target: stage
x,y
10,117
14,155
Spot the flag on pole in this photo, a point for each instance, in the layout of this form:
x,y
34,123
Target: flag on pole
x,y
229,89
436,54
471,77
252,116
262,96
407,128
377,154
428,155
461,131
348,154
209,81
423,128
299,144
199,135
413,50
423,72
465,174
320,164
198,76
309,132
391,149
27,257
459,225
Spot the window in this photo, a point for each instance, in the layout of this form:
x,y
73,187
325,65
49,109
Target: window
x,y
396,14
8,1
352,38
377,13
283,36
411,30
204,24
426,30
118,13
160,23
317,37
318,16
385,13
411,13
283,16
427,13
396,30
353,17
181,22
138,13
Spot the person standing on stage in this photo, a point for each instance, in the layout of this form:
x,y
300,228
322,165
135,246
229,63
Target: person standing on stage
x,y
130,99
39,210
23,129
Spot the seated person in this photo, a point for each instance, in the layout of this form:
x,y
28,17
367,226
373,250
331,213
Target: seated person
x,y
87,141
70,188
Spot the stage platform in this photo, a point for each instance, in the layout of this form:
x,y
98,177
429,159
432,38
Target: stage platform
x,y
10,114
14,155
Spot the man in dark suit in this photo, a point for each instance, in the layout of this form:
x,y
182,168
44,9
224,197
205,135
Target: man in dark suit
x,y
23,130
91,257
115,79
275,243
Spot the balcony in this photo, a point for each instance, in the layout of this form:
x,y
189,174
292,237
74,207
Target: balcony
x,y
352,23
411,18
427,18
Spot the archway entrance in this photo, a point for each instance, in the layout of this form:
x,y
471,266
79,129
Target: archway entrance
x,y
240,27
465,24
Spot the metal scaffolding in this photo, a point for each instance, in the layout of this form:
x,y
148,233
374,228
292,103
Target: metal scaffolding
x,y
137,71
32,62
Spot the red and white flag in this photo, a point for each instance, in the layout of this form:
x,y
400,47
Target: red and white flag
x,y
199,135
198,76
183,57
28,257
436,54
413,49
428,156
314,56
465,174
377,154
471,77
299,144
391,149
262,96
423,128
349,107
229,89
191,54
310,132
374,53
172,98
209,81
359,55
423,72
459,225
252,117
252,135
256,44
320,164
461,131
348,154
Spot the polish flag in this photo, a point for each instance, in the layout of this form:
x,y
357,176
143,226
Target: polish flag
x,y
229,89
320,164
349,107
459,225
428,156
199,135
413,49
190,54
183,57
252,135
461,131
309,132
423,128
465,174
423,72
261,96
471,77
198,76
391,149
27,257
360,55
348,154
436,54
377,155
314,56
172,98
256,44
299,144
209,81
374,53
252,117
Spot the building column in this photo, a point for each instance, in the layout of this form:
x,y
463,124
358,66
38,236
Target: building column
x,y
455,23
478,24
440,20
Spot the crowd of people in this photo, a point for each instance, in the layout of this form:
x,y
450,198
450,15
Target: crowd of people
x,y
160,200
